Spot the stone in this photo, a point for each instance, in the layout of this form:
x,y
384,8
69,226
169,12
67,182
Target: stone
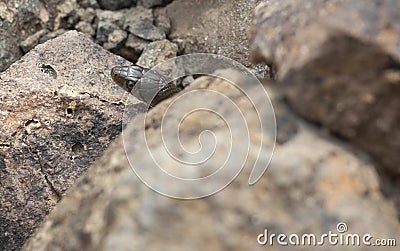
x,y
86,28
140,22
218,27
51,35
136,43
312,185
59,110
338,75
66,15
161,20
116,39
132,48
153,3
32,41
86,15
89,4
112,17
157,52
186,81
106,30
116,4
18,20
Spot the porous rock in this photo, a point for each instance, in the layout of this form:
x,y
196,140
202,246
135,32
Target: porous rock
x,y
311,186
59,110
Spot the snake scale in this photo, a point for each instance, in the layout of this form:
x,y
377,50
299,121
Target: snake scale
x,y
146,85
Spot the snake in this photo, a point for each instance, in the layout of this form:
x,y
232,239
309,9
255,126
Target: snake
x,y
147,85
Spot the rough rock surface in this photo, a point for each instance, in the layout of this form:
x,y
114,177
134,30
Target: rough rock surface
x,y
311,186
59,110
116,4
140,22
213,26
20,19
152,3
343,77
157,52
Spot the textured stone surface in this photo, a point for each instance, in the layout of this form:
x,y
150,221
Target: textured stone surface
x,y
110,36
311,185
161,20
89,4
116,4
21,19
344,77
213,26
152,3
157,52
32,41
59,110
52,35
140,22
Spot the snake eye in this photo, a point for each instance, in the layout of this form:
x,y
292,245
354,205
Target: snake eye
x,y
130,85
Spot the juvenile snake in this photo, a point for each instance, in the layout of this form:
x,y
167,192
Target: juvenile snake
x,y
146,85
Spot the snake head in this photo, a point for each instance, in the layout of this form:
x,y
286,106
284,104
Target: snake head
x,y
127,76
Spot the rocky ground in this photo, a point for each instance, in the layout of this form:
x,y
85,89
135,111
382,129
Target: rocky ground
x,y
60,111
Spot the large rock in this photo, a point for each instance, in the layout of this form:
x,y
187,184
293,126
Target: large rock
x,y
59,111
20,19
339,61
212,26
311,186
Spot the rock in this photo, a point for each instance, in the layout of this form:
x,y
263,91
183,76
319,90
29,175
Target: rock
x,y
116,4
89,4
86,28
86,15
112,17
136,43
59,111
9,49
115,40
344,77
139,21
187,81
218,27
153,3
133,47
52,35
32,41
162,21
157,52
66,15
311,186
105,31
18,20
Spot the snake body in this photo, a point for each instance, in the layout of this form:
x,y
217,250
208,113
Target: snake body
x,y
148,86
